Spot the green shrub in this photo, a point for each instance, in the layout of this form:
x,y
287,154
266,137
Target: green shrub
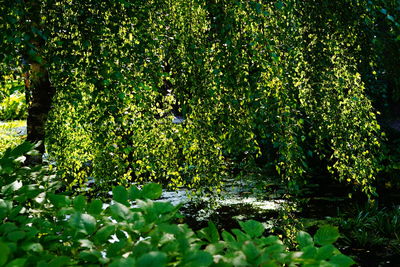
x,y
12,99
372,227
13,107
11,134
43,228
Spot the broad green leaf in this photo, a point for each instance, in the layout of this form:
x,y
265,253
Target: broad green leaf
x,y
123,262
35,247
213,232
269,240
120,195
228,237
91,256
151,191
325,252
115,249
163,207
215,248
197,258
309,252
15,211
341,260
170,228
240,236
21,149
121,211
17,263
104,233
275,249
134,193
250,250
5,251
210,233
16,236
145,247
59,261
326,235
153,259
304,239
5,207
120,234
30,191
79,203
59,201
31,232
252,228
95,207
83,223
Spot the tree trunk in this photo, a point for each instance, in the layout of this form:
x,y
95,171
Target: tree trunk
x,y
38,88
40,94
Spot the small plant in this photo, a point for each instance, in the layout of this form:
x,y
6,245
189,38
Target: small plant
x,y
372,227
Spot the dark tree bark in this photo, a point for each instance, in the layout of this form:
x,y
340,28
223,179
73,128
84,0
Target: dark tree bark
x,y
38,87
40,94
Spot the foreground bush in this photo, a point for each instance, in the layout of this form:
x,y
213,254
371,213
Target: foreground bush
x,y
42,228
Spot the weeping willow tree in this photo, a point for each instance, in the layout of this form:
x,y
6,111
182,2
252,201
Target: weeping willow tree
x,y
255,83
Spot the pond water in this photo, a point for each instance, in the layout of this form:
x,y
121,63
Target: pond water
x,y
224,209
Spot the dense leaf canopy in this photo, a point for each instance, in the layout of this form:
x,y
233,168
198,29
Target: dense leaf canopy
x,y
281,85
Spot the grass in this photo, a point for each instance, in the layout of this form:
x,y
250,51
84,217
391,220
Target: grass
x,y
9,137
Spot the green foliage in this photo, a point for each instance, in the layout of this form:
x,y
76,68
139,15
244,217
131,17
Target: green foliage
x,y
12,99
10,85
371,227
41,228
10,134
13,107
275,84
